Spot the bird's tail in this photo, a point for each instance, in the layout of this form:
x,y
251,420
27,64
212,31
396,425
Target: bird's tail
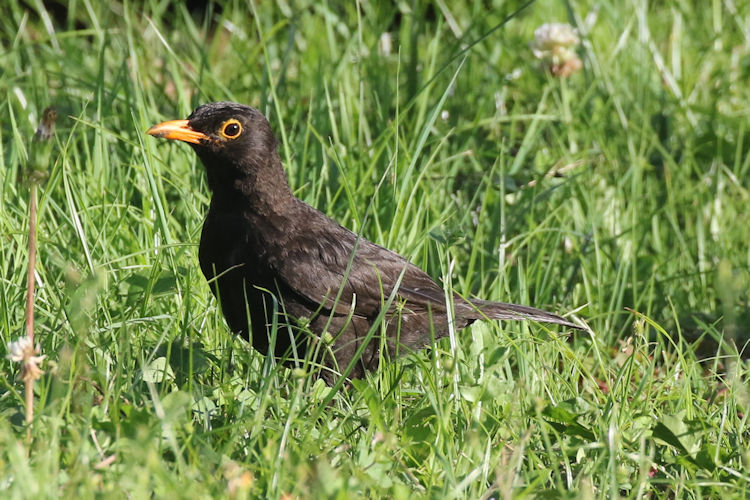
x,y
483,309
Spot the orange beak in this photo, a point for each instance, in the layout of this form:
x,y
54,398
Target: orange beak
x,y
177,129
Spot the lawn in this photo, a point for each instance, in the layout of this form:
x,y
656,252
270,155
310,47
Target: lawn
x,y
618,195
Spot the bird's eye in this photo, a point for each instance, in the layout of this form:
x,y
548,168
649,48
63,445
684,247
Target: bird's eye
x,y
231,129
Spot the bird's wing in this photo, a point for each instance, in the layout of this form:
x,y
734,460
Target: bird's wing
x,y
315,267
325,269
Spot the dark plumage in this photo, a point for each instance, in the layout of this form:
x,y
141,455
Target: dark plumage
x,y
258,238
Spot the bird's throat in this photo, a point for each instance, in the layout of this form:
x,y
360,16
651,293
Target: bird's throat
x,y
259,187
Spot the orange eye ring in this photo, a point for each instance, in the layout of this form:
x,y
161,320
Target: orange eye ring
x,y
231,129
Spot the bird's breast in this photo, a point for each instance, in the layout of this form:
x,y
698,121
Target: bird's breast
x,y
226,246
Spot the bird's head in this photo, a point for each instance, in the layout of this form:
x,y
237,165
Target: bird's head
x,y
234,142
222,132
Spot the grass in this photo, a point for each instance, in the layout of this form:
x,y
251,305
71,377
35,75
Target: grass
x,y
438,152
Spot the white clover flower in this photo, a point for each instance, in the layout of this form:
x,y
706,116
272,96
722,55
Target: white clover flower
x,y
23,351
18,349
553,37
554,44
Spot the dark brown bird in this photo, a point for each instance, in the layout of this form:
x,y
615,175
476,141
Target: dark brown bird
x,y
259,240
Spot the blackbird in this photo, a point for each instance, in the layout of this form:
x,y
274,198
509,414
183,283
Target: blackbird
x,y
272,259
